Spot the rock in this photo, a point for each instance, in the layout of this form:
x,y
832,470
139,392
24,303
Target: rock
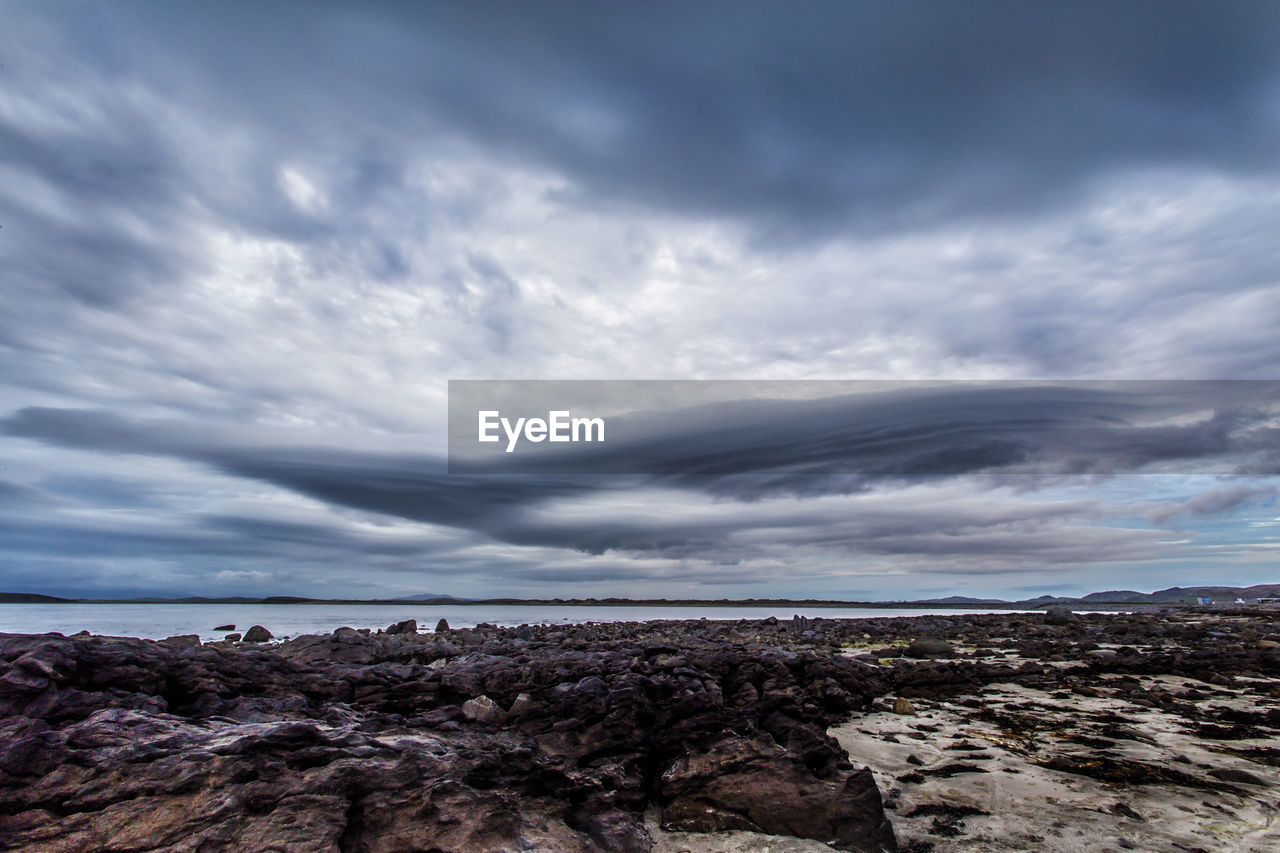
x,y
741,784
232,638
902,705
183,641
1231,774
225,628
23,682
522,705
1125,810
1059,616
348,635
408,626
442,626
257,634
1102,653
482,709
929,648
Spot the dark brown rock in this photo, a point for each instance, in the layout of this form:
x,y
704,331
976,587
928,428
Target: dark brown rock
x,y
352,742
739,783
257,634
929,647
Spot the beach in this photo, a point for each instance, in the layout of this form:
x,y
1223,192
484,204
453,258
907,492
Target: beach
x,y
1053,731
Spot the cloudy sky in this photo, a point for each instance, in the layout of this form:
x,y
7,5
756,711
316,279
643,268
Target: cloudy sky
x,y
243,248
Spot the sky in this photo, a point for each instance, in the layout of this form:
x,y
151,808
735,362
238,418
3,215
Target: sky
x,y
245,246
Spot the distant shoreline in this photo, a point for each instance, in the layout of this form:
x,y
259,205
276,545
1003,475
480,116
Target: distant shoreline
x,y
19,598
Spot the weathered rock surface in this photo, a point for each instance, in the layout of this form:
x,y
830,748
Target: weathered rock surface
x,y
353,741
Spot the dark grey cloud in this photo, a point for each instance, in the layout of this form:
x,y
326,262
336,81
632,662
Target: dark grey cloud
x,y
862,115
840,443
771,449
406,486
871,114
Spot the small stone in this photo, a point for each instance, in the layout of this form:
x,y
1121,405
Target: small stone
x,y
225,628
257,634
482,709
928,648
523,704
902,705
1124,810
442,626
232,638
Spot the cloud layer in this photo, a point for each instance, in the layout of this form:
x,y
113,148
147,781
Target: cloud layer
x,y
243,246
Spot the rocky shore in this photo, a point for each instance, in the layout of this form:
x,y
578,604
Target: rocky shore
x,y
1150,731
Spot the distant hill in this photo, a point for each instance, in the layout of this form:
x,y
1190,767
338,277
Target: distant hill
x,y
29,598
430,596
1119,595
962,599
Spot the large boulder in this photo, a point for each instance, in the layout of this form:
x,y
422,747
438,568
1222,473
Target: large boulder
x,y
1060,616
751,784
257,634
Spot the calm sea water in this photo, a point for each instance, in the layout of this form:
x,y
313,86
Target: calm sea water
x,y
156,621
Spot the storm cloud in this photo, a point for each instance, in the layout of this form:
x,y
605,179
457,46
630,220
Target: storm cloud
x,y
868,449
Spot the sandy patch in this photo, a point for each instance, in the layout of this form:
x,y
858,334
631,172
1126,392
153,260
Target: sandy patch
x,y
982,778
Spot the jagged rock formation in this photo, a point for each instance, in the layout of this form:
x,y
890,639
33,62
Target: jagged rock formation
x,y
461,741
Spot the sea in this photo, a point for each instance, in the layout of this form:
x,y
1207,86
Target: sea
x,y
157,621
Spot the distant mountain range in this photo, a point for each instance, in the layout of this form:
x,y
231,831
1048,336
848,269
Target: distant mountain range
x,y
1180,593
1172,595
